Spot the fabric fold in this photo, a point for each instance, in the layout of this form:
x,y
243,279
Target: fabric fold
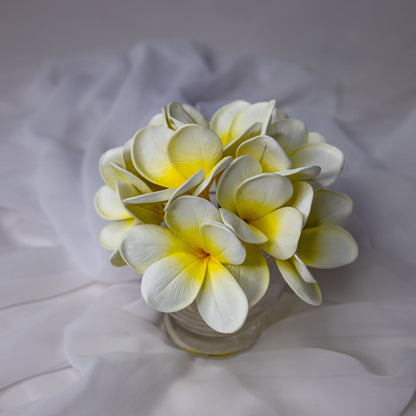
x,y
64,308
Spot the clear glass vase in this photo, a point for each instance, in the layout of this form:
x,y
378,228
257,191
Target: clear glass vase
x,y
188,331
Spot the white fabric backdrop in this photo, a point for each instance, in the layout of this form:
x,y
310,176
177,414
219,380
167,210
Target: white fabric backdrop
x,y
77,339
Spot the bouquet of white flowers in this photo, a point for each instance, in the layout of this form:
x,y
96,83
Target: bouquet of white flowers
x,y
196,206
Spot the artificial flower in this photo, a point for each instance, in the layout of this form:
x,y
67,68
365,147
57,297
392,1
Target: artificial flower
x,y
170,158
268,170
281,144
176,115
121,184
238,117
252,205
323,243
197,258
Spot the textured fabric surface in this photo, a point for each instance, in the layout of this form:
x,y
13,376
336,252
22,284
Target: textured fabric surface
x,y
76,337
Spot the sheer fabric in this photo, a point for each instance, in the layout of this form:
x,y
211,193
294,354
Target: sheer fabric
x,y
76,337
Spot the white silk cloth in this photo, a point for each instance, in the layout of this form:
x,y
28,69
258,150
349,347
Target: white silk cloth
x,y
76,336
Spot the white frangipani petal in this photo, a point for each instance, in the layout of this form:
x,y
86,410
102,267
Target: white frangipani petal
x,y
126,190
193,147
282,228
267,151
315,185
221,121
301,199
127,158
309,292
157,120
145,244
255,113
261,194
126,176
278,114
140,182
326,247
329,158
301,174
290,134
267,121
166,117
151,198
116,260
330,208
231,148
181,114
196,115
314,137
303,270
150,157
178,116
218,168
244,231
187,186
253,275
107,203
220,242
185,216
111,234
239,170
172,283
145,213
221,302
109,175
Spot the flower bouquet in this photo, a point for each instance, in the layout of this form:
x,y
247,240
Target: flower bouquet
x,y
197,207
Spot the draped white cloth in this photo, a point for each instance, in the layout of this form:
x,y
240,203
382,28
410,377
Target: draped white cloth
x,y
76,336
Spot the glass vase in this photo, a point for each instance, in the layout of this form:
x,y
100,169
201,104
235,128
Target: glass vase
x,y
188,331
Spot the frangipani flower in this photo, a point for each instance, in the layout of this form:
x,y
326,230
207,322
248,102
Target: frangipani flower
x,y
198,259
176,115
120,184
181,159
236,118
252,205
268,169
311,156
281,144
323,243
133,190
